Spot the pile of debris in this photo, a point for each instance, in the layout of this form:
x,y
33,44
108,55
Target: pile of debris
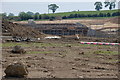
x,y
14,29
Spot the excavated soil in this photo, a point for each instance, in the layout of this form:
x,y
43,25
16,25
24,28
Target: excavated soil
x,y
14,29
64,59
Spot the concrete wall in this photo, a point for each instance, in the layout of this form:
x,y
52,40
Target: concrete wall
x,y
62,29
93,33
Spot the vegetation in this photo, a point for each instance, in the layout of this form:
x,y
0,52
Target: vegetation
x,y
65,15
98,6
53,7
40,52
25,16
40,45
106,52
111,5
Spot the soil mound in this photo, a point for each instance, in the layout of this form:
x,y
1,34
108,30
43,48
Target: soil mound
x,y
14,29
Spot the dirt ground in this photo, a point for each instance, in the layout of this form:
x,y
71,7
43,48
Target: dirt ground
x,y
14,29
64,59
114,20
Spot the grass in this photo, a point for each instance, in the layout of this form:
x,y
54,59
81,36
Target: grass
x,y
0,44
39,52
113,60
23,44
91,18
89,45
12,44
46,44
82,12
64,45
106,52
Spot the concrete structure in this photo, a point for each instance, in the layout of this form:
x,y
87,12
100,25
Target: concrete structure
x,y
93,30
31,22
63,29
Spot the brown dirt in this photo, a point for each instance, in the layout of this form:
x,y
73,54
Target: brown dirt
x,y
65,59
84,21
15,29
92,39
115,20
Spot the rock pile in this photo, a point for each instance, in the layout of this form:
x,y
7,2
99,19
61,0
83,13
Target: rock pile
x,y
16,69
18,49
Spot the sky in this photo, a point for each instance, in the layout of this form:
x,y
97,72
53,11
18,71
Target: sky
x,y
56,0
16,6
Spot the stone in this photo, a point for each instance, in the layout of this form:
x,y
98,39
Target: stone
x,y
81,53
16,69
18,49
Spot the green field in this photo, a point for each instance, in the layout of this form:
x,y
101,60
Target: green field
x,y
82,12
86,14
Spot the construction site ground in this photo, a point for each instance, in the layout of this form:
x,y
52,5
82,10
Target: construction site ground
x,y
64,59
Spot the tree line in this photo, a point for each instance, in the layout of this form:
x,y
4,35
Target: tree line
x,y
37,16
30,15
99,5
92,15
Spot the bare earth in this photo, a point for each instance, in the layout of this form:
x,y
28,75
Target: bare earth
x,y
64,59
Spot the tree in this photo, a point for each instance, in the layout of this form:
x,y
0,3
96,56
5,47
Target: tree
x,y
101,14
98,6
44,16
64,17
4,15
71,16
10,15
53,7
108,14
36,16
30,13
51,18
24,16
111,5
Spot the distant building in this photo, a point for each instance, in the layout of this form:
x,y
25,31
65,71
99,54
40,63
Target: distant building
x,y
63,29
31,22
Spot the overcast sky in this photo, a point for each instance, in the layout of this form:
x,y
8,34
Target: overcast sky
x,y
41,6
55,0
